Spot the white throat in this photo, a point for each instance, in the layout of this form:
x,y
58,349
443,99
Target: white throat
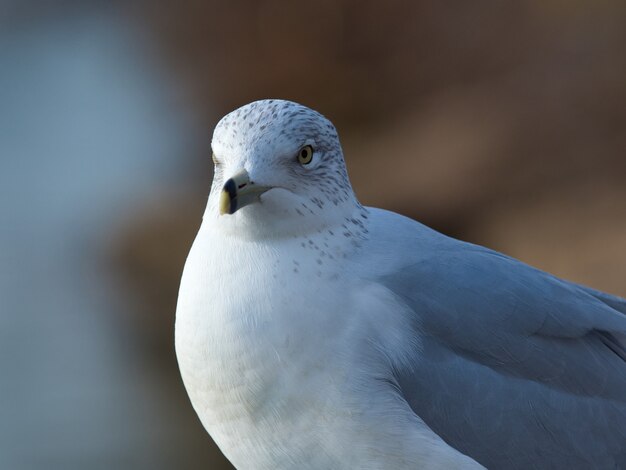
x,y
272,218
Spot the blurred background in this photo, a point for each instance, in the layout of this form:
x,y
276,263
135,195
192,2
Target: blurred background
x,y
502,123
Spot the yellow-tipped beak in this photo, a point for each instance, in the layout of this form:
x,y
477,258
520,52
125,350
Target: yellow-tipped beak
x,y
239,191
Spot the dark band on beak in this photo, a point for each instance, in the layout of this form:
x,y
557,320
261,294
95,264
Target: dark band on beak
x,y
239,191
230,188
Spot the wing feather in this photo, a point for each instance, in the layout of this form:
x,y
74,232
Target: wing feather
x,y
517,369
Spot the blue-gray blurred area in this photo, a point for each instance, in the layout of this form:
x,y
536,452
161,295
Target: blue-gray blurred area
x,y
499,122
91,127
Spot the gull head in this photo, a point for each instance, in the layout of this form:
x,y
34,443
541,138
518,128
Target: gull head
x,y
279,171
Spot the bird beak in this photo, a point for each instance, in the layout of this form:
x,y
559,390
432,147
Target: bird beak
x,y
239,191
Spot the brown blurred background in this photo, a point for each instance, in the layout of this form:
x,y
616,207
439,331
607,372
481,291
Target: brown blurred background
x,y
502,123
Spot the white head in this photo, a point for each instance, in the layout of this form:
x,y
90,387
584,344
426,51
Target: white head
x,y
279,171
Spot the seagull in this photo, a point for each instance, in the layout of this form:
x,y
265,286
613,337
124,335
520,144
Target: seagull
x,y
313,332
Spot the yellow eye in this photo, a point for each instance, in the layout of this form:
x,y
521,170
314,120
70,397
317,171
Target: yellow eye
x,y
305,155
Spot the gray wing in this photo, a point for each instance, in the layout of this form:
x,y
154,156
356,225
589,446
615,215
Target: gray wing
x,y
518,369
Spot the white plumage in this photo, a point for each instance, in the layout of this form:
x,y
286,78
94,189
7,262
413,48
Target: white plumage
x,y
302,346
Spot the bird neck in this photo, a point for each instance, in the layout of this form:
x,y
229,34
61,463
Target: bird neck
x,y
258,222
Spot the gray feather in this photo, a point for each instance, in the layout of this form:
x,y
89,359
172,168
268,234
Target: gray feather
x,y
517,369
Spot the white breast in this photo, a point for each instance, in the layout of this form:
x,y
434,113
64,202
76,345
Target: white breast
x,y
283,372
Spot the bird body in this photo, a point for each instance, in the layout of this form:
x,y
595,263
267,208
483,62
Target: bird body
x,y
286,387
313,332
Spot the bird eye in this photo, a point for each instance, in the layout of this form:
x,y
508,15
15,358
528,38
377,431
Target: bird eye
x,y
305,155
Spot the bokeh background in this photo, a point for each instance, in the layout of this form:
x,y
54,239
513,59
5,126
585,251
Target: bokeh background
x,y
502,123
